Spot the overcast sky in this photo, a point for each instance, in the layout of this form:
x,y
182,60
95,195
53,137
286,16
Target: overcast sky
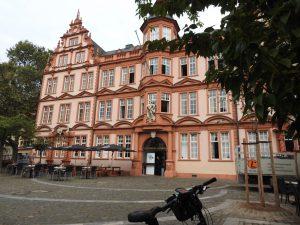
x,y
112,23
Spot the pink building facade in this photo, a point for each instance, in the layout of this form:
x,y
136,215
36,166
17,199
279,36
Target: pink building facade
x,y
155,103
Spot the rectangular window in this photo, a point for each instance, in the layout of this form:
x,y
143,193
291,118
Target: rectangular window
x,y
194,146
102,140
183,67
68,83
129,108
64,114
87,81
79,57
99,143
80,140
223,101
165,102
63,60
166,66
84,111
189,146
108,110
220,150
217,101
192,65
212,98
154,33
47,114
153,66
122,108
111,79
124,76
214,146
193,103
90,80
120,143
188,66
142,105
152,98
102,110
104,78
127,145
184,146
167,33
131,74
145,37
264,147
51,86
73,41
183,104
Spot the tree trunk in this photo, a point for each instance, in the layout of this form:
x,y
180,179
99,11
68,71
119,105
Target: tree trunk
x,y
1,155
14,145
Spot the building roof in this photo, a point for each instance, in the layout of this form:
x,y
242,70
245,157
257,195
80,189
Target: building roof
x,y
152,18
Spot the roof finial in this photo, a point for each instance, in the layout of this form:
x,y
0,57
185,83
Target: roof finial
x,y
78,15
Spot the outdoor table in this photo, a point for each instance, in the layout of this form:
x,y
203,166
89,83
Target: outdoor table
x,y
59,171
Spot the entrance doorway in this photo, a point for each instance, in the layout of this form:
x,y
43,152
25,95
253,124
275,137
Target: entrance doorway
x,y
154,156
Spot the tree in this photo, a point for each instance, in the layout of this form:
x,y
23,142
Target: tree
x,y
259,43
20,82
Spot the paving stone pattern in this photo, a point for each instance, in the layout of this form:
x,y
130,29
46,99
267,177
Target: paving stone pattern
x,y
108,200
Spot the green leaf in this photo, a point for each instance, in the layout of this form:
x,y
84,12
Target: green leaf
x,y
296,32
285,62
209,29
285,17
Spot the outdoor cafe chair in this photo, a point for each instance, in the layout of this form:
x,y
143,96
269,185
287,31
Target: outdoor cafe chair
x,y
296,191
69,171
284,189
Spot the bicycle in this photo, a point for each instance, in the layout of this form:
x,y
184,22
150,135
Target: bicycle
x,y
185,205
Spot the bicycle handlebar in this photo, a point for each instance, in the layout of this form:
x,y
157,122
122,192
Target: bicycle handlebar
x,y
209,181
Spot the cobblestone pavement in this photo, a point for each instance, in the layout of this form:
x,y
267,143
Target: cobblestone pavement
x,y
108,200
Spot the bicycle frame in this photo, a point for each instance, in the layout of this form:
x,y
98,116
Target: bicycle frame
x,y
185,205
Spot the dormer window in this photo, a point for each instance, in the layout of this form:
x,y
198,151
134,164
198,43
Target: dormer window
x,y
167,33
63,60
73,41
154,34
80,57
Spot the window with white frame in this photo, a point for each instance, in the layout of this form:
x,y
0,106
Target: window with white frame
x,y
129,108
217,100
188,66
152,98
104,78
264,146
131,75
145,37
165,102
102,140
124,75
73,41
83,111
63,60
105,110
122,109
167,33
188,103
124,140
166,66
47,114
87,81
51,86
153,66
68,83
142,105
126,108
154,33
64,113
80,57
189,146
80,140
220,145
111,78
